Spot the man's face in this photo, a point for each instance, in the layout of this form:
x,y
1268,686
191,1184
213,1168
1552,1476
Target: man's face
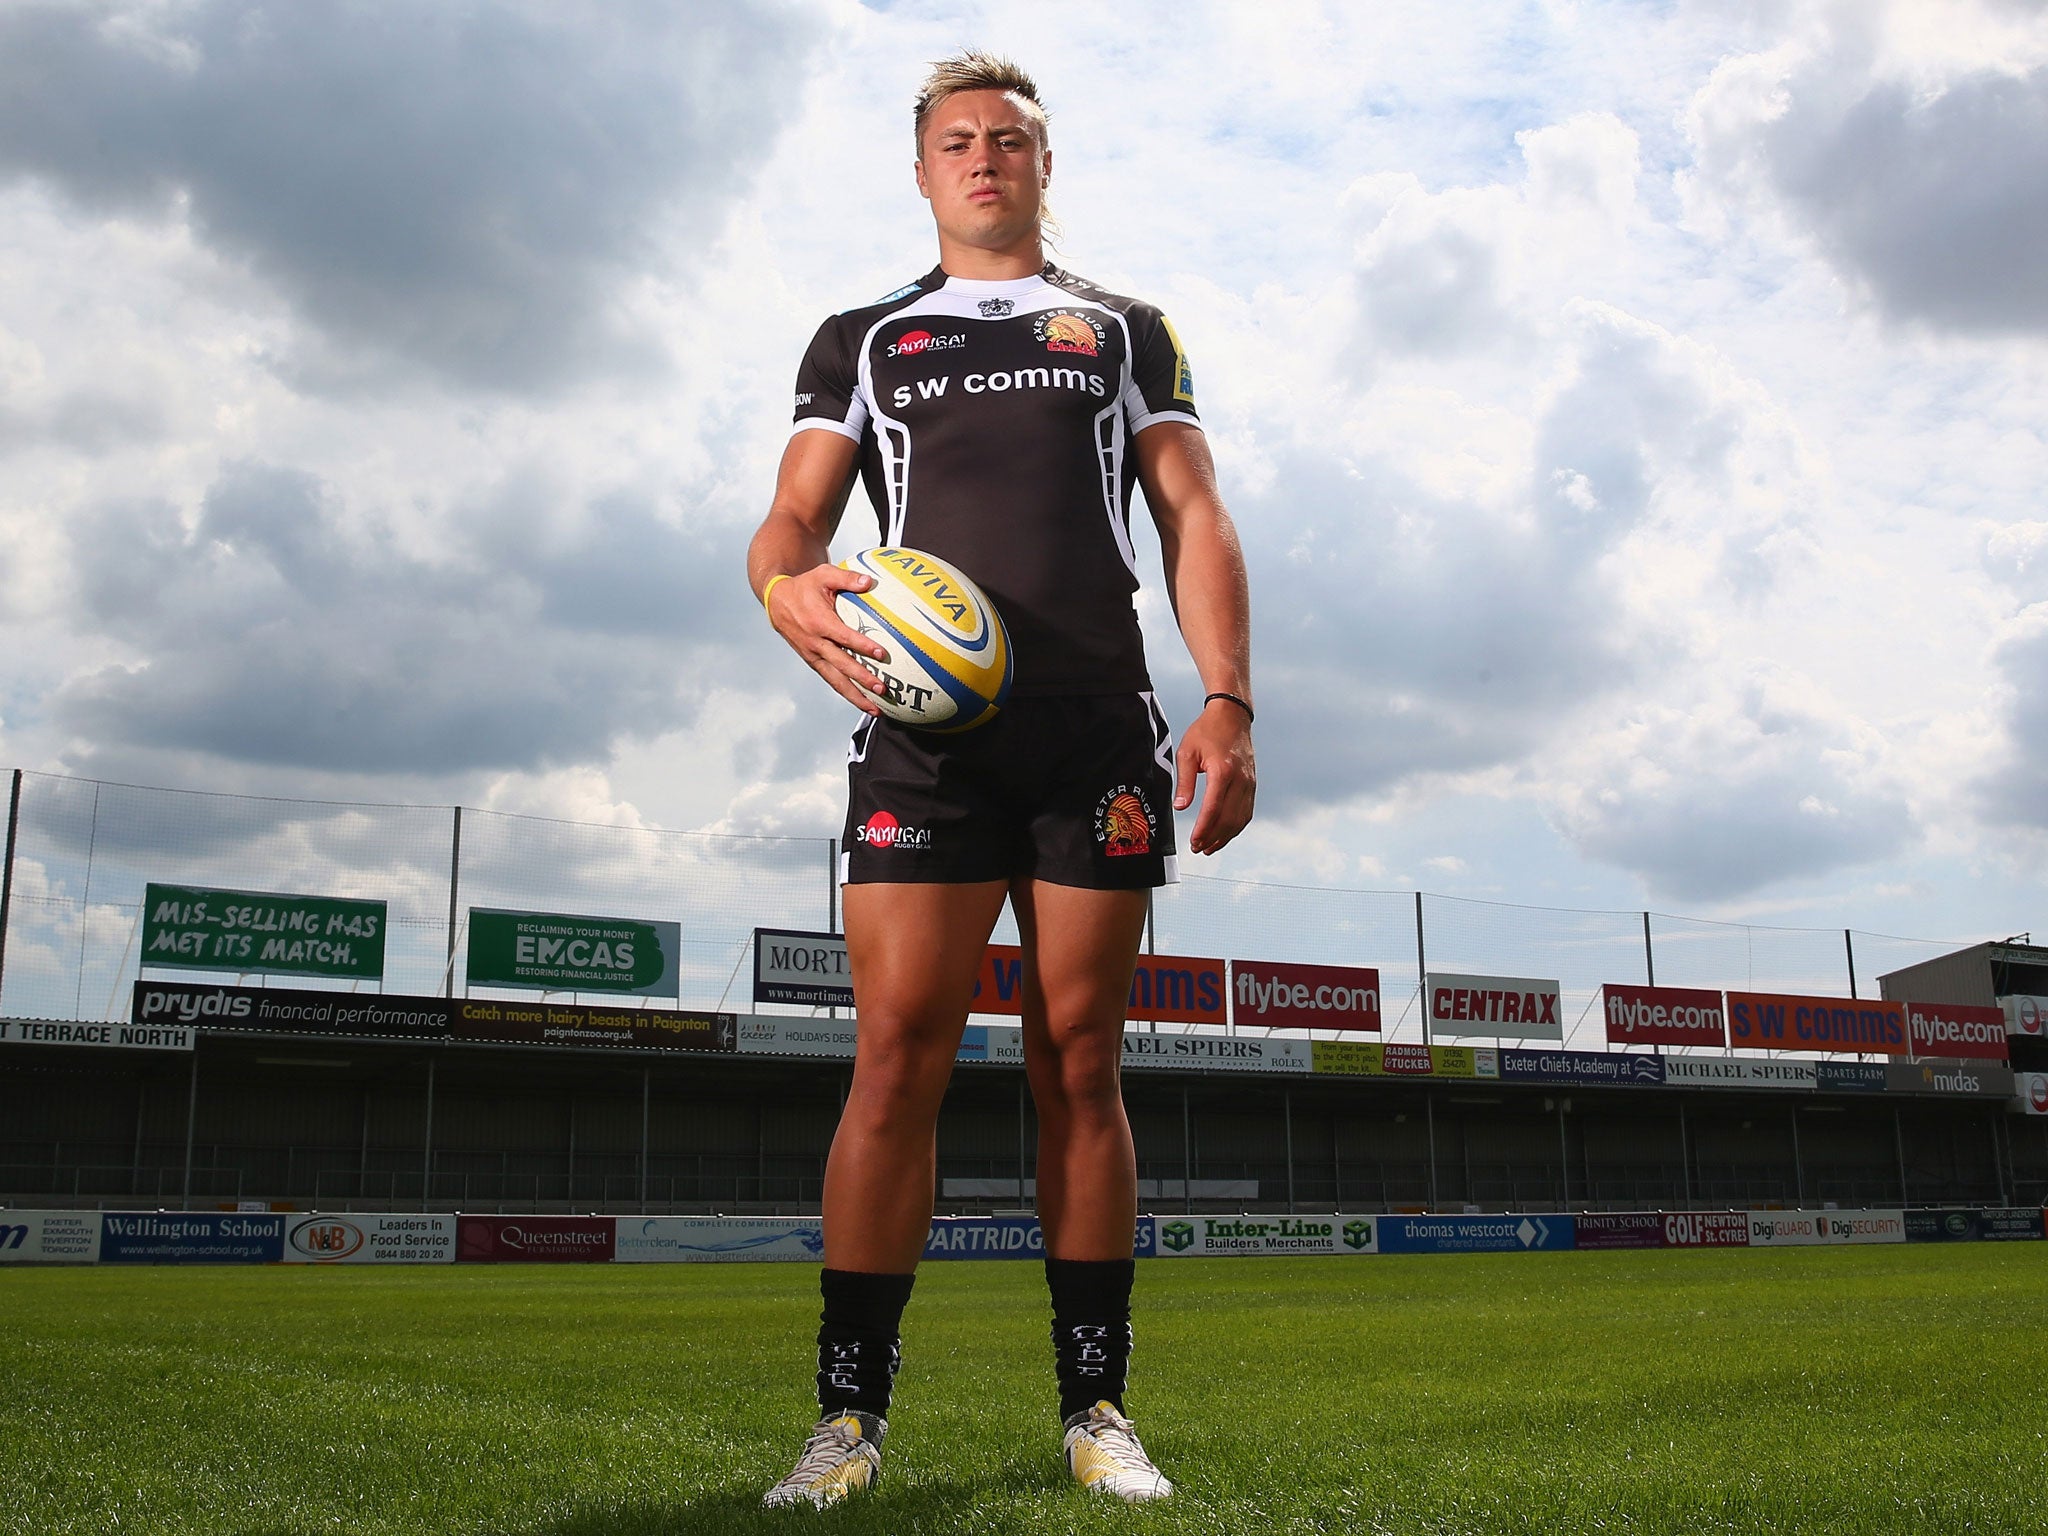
x,y
983,169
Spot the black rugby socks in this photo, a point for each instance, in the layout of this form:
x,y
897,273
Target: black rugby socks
x,y
1091,1330
859,1339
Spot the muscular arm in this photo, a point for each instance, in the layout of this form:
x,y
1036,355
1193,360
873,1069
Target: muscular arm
x,y
810,495
1205,580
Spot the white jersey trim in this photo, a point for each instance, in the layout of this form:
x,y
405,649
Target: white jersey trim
x,y
1139,422
827,424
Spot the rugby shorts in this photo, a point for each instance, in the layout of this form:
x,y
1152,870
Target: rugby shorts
x,y
1073,790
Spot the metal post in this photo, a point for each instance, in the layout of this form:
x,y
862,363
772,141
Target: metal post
x,y
7,872
1798,1166
1187,1154
191,1122
142,1104
1564,1161
1429,1119
1899,1144
646,1118
1336,1160
454,892
1151,927
1684,1156
1849,949
427,1163
1998,1163
1421,973
1287,1120
832,885
92,844
1649,954
363,1158
569,1191
1022,1161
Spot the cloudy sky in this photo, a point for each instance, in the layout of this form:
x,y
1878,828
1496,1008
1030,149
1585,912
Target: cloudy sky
x,y
1634,412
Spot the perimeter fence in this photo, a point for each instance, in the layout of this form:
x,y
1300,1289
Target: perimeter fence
x,y
81,851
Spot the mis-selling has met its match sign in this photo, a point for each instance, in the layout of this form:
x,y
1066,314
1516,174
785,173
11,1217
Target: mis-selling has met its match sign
x,y
263,932
553,952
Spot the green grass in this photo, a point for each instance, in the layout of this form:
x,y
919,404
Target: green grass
x,y
1795,1390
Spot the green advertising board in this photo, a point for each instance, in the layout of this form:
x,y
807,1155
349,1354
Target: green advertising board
x,y
200,929
554,952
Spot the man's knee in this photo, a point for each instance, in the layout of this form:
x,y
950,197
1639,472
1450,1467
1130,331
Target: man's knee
x,y
902,1065
1079,1070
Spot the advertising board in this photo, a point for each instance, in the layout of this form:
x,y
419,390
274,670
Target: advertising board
x,y
1276,996
109,1036
583,1024
535,1239
49,1237
2025,1015
1850,1076
1957,1029
1955,1226
719,1240
793,966
1194,1237
1509,1007
1737,1072
1007,1237
782,1034
557,952
1144,1051
355,1238
1951,1076
1474,1234
1785,1022
1167,989
1706,1229
1807,1229
1583,1069
2030,1089
1360,1058
190,1237
289,1010
262,932
2012,1223
1662,1015
1618,1229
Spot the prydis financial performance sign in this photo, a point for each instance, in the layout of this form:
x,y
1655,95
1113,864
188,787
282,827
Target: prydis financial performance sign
x,y
1509,1007
1276,996
1768,1021
1662,1016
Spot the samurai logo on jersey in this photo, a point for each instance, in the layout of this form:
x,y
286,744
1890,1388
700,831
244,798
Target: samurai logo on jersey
x,y
1124,822
1066,330
882,830
913,343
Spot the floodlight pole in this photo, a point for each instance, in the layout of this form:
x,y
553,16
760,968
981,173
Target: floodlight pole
x,y
7,875
1421,970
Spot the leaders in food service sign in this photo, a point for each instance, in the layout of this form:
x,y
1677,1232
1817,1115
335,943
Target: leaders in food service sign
x,y
1001,412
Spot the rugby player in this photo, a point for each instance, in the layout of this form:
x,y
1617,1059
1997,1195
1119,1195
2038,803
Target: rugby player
x,y
1000,412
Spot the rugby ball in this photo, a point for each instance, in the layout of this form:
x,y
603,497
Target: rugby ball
x,y
949,656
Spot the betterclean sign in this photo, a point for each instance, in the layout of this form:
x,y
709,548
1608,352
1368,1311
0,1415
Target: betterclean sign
x,y
261,932
555,952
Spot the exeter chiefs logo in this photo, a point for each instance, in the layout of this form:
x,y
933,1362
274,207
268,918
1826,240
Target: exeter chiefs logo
x,y
1124,823
1062,330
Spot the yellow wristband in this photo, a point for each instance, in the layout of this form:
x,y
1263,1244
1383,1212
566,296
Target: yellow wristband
x,y
768,592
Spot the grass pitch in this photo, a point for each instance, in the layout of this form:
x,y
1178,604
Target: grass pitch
x,y
1893,1389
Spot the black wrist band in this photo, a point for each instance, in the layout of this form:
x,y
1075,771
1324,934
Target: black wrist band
x,y
1249,717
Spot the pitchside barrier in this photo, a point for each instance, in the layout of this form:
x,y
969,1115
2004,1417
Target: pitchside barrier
x,y
258,1237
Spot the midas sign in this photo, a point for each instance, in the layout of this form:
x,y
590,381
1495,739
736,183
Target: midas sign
x,y
1172,989
1513,1007
1768,1021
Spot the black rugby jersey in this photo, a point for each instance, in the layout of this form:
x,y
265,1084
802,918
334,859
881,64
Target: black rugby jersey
x,y
995,421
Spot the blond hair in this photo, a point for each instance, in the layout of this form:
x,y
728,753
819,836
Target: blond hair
x,y
977,71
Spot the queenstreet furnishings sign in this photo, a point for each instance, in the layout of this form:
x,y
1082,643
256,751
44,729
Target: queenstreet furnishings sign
x,y
262,932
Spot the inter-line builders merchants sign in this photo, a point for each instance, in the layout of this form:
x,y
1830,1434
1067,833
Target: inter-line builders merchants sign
x,y
551,952
199,929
